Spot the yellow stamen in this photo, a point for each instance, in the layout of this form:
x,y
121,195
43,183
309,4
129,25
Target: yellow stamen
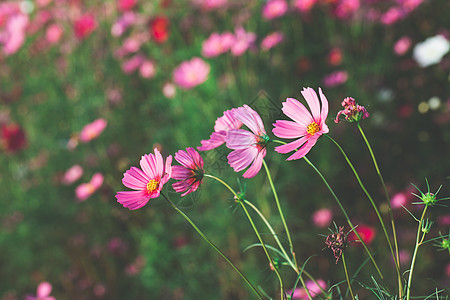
x,y
312,128
152,185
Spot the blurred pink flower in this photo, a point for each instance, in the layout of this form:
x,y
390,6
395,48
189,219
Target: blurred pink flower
x,y
136,267
444,220
402,45
274,9
336,78
85,190
42,3
249,147
169,90
222,126
12,36
147,69
43,292
217,44
132,64
409,5
210,4
271,40
72,174
322,217
125,5
190,174
84,25
122,24
307,126
399,200
12,138
92,130
313,288
146,183
344,9
405,257
53,33
392,15
304,5
191,73
243,41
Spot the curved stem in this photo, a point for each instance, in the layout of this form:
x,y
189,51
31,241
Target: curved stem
x,y
345,214
391,215
280,210
416,248
213,246
346,275
239,200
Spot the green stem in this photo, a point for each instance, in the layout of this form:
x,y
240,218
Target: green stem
x,y
239,200
391,215
416,248
345,214
282,248
346,275
213,246
272,186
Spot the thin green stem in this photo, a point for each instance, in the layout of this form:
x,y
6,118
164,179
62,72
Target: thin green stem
x,y
345,214
213,246
272,186
416,248
346,275
288,259
391,215
239,200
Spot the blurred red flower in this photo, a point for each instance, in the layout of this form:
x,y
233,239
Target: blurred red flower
x,y
13,137
84,26
366,232
125,5
159,29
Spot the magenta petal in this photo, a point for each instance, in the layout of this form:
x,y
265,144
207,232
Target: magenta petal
x,y
216,139
135,179
242,158
44,289
148,165
311,98
249,118
304,149
132,199
183,158
180,173
239,139
159,163
291,146
256,166
288,129
324,113
297,112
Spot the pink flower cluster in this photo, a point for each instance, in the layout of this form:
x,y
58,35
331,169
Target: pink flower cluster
x,y
191,73
219,43
85,190
248,147
352,111
274,9
13,29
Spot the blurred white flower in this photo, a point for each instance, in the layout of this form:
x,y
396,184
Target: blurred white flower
x,y
431,51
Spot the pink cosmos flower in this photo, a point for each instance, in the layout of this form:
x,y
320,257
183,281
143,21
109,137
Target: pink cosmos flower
x,y
217,44
12,36
392,15
313,288
222,126
399,200
308,127
122,24
191,73
169,90
346,8
322,217
72,175
147,69
304,5
243,41
366,232
92,130
352,111
249,147
402,45
85,190
84,26
274,9
190,174
271,40
43,292
146,183
335,78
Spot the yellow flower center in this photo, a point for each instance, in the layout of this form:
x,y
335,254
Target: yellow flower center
x,y
312,128
152,185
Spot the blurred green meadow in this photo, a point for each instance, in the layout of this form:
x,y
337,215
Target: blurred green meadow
x,y
80,61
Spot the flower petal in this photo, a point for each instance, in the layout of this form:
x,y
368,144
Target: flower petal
x,y
239,139
135,179
297,112
288,129
256,166
304,149
311,98
242,158
324,114
291,146
132,199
